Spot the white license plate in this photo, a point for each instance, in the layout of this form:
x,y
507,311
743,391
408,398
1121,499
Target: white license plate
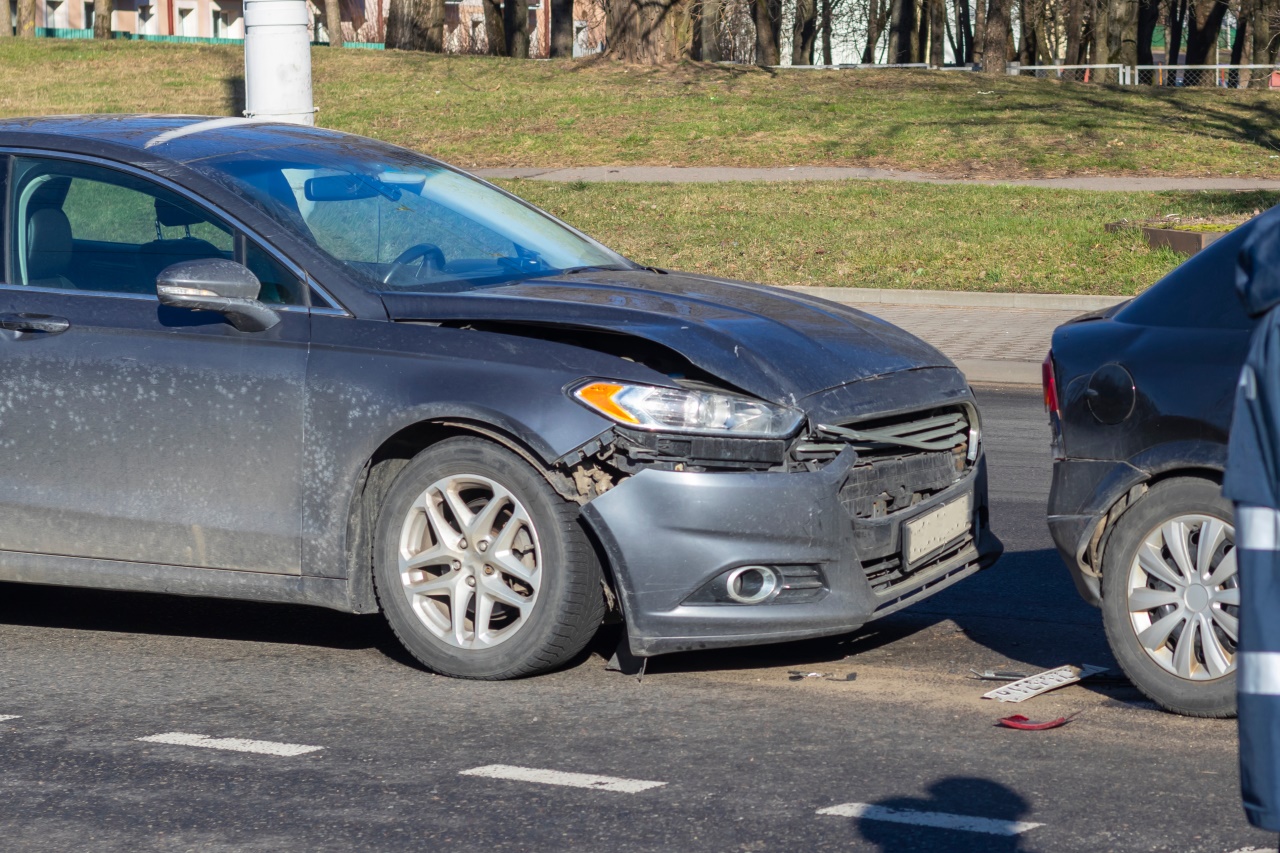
x,y
937,528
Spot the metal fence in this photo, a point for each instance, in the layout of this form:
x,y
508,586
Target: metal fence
x,y
1221,76
1112,74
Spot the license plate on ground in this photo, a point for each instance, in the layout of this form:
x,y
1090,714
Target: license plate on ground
x,y
937,528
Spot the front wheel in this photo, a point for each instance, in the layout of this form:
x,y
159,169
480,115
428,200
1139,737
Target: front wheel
x,y
1171,597
481,568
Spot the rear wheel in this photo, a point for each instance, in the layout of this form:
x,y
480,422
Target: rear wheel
x,y
481,568
1171,597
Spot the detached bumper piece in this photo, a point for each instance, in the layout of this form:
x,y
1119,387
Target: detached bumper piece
x,y
706,560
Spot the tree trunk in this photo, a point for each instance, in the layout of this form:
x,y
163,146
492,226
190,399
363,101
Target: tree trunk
x,y
1075,27
826,32
937,25
1173,34
875,28
102,10
964,33
995,53
515,23
980,32
411,25
804,33
768,16
1148,20
642,31
1204,22
1027,35
333,22
562,29
1121,33
1237,44
495,34
27,18
901,25
1262,52
709,23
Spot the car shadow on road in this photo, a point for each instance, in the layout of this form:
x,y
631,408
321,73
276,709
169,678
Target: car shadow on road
x,y
960,814
207,618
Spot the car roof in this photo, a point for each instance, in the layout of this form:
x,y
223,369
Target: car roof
x,y
178,138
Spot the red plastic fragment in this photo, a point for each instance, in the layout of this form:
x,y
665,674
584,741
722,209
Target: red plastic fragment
x,y
1018,721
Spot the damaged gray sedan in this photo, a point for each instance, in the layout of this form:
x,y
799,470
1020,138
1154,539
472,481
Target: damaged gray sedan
x,y
285,364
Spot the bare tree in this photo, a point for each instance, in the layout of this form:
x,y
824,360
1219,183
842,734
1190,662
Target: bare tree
x,y
515,23
901,25
937,25
27,18
643,31
877,20
980,33
102,10
1075,31
804,32
709,26
995,53
333,22
562,28
768,18
495,34
1204,22
1264,50
1177,17
411,25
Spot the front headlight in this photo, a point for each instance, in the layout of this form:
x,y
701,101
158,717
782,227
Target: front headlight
x,y
651,407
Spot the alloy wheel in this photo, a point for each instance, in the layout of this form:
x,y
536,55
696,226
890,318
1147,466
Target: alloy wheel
x,y
469,561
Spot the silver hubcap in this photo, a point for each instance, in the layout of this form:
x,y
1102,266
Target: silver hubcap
x,y
470,563
1184,597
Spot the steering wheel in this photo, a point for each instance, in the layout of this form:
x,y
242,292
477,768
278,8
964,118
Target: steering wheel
x,y
430,261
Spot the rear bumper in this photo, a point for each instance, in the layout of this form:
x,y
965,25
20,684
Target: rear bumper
x,y
668,534
1083,492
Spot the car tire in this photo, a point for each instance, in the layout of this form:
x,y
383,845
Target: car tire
x,y
1180,651
481,569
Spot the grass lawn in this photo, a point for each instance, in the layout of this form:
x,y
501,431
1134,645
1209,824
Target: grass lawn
x,y
482,111
860,234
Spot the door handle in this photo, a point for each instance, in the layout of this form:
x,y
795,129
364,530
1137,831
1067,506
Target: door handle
x,y
34,323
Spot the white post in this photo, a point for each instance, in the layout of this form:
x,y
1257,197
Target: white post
x,y
277,61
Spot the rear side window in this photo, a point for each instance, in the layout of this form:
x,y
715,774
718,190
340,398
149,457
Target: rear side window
x,y
1201,293
4,229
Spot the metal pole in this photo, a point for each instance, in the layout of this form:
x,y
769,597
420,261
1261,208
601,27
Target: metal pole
x,y
277,61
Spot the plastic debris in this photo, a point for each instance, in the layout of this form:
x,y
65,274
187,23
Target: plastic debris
x,y
797,675
1018,721
1042,682
998,675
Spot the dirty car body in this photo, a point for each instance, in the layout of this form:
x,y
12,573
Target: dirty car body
x,y
1140,398
199,453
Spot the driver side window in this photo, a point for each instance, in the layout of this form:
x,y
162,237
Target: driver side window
x,y
77,226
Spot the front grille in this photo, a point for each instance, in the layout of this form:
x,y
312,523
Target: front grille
x,y
884,486
902,461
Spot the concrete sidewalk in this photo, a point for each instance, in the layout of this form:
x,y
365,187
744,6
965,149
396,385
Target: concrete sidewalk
x,y
997,342
715,174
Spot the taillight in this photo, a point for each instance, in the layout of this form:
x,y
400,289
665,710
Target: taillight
x,y
1049,379
1050,383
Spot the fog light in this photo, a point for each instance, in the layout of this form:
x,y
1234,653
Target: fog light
x,y
751,584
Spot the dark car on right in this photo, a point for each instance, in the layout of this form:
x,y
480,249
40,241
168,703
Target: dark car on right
x,y
1140,398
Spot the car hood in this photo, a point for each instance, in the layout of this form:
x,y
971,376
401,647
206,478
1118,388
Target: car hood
x,y
778,345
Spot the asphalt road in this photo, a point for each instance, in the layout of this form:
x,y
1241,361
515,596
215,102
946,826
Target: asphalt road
x,y
746,756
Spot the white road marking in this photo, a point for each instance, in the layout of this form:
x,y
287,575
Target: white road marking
x,y
235,744
938,820
559,777
4,717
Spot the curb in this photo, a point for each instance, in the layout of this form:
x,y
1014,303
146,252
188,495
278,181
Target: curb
x,y
994,371
958,299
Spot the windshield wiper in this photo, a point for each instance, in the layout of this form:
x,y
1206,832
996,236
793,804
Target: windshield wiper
x,y
595,268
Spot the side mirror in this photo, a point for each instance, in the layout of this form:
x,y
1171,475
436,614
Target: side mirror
x,y
213,284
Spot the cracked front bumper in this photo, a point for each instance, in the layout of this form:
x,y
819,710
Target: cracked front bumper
x,y
668,534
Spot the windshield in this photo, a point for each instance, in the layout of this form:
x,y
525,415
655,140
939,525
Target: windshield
x,y
403,223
